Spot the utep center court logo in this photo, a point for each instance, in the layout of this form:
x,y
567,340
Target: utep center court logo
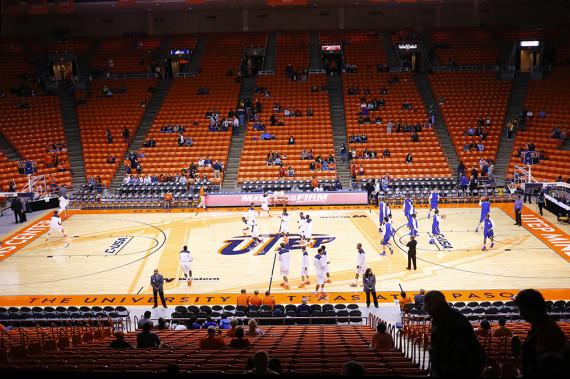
x,y
245,244
441,242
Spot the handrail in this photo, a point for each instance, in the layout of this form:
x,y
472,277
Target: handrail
x,y
347,317
468,68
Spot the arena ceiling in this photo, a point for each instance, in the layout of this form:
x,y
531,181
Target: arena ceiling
x,y
209,5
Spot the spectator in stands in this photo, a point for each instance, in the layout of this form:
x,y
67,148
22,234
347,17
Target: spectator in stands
x,y
291,140
212,342
119,342
260,364
409,158
145,320
419,299
361,171
229,324
381,340
109,136
543,351
404,299
389,127
209,322
415,137
454,351
162,324
243,299
502,330
253,330
484,329
353,368
291,172
239,341
126,135
147,339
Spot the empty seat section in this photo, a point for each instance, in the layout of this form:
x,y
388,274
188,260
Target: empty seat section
x,y
428,157
465,47
551,96
466,97
30,131
183,106
117,112
125,54
310,132
365,49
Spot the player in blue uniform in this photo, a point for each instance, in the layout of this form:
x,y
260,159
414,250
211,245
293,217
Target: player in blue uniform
x,y
384,211
435,226
485,205
408,206
411,213
387,233
488,232
433,201
413,225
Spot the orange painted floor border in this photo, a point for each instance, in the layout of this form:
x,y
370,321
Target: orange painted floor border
x,y
214,299
544,230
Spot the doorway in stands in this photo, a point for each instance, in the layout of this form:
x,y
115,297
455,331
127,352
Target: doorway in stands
x,y
332,58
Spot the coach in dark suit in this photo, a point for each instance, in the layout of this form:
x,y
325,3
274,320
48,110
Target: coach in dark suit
x,y
16,207
157,283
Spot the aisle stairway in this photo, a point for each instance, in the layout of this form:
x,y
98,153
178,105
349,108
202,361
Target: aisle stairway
x,y
270,52
315,62
150,113
194,64
440,129
236,146
73,138
515,106
8,150
393,60
338,120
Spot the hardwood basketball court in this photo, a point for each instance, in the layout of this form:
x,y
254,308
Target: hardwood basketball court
x,y
113,253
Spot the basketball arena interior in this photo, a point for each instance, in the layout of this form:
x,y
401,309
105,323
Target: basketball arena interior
x,y
294,187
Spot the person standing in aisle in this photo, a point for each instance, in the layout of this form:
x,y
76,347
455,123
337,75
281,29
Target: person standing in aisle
x,y
518,211
369,284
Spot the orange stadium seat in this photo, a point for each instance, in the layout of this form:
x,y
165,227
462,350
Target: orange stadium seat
x,y
549,95
122,110
465,46
183,106
429,159
466,97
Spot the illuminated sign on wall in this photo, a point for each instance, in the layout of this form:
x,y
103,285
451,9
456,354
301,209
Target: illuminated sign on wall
x,y
530,43
408,46
331,48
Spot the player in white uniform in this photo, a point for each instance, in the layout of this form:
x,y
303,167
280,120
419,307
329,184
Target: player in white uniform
x,y
63,203
284,224
55,226
304,268
251,213
308,230
301,226
284,264
327,272
246,227
360,264
254,228
320,269
265,205
185,259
